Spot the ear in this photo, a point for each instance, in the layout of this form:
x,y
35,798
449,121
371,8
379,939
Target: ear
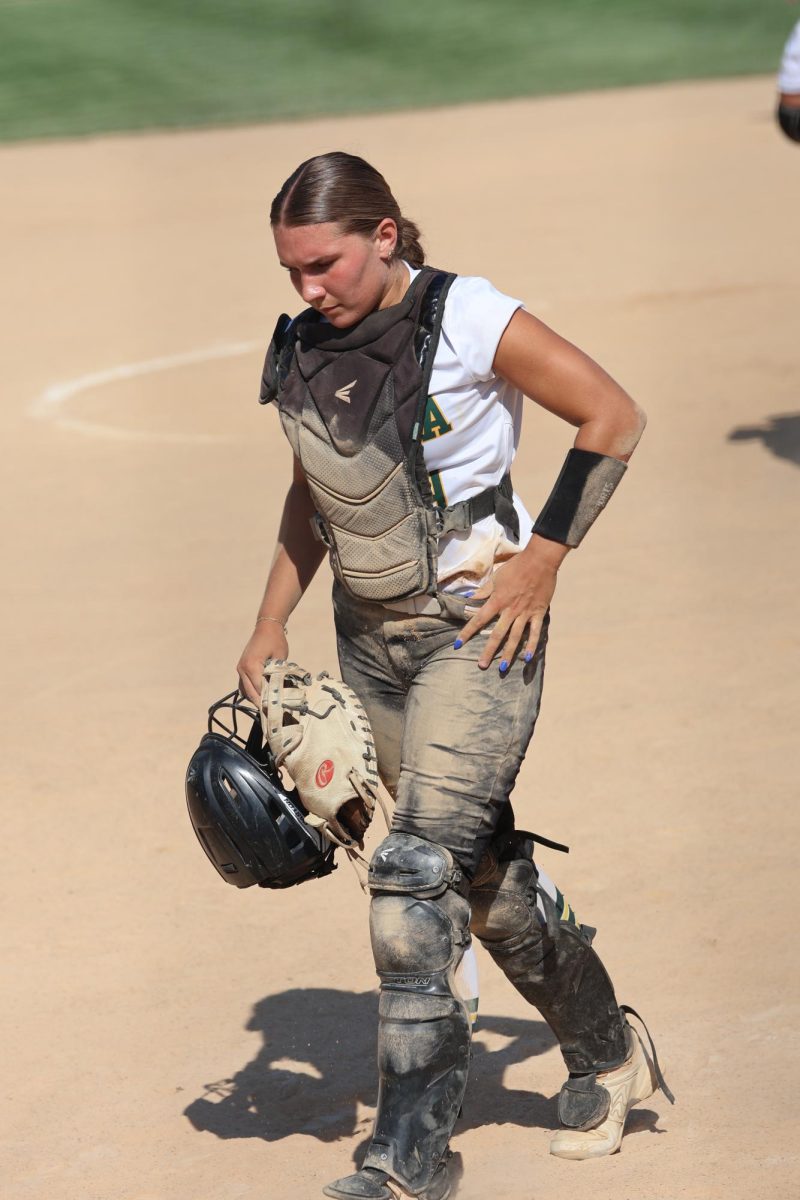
x,y
386,238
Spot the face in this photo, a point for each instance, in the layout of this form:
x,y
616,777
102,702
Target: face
x,y
342,275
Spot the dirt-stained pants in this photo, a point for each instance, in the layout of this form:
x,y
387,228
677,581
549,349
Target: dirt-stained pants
x,y
450,738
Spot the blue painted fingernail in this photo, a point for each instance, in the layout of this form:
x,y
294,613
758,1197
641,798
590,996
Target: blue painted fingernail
x,y
528,655
504,665
457,644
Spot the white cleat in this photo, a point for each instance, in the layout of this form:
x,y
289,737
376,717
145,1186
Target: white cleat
x,y
635,1080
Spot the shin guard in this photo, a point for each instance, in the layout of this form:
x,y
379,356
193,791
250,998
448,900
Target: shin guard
x,y
419,929
549,960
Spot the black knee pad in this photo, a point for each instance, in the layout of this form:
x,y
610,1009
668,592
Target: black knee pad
x,y
505,897
508,897
418,922
503,901
404,864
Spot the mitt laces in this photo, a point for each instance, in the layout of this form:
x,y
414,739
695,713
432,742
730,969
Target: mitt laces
x,y
357,861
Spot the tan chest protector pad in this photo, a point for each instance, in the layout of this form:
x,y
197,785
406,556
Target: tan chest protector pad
x,y
351,404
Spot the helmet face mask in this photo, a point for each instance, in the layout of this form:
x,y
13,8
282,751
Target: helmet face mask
x,y
250,826
237,720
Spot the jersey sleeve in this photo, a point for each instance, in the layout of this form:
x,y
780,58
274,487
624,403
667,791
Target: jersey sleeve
x,y
789,75
475,318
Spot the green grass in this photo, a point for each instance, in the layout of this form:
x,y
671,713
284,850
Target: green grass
x,y
84,66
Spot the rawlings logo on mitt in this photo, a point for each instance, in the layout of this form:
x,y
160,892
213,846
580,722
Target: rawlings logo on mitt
x,y
318,729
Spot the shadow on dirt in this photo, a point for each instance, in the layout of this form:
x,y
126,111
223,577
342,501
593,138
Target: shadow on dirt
x,y
317,1064
780,435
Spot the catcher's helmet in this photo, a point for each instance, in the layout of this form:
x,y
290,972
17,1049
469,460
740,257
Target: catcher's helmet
x,y
249,825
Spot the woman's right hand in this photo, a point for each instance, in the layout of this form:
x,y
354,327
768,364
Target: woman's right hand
x,y
266,641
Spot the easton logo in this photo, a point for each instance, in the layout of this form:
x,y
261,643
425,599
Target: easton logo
x,y
343,393
324,773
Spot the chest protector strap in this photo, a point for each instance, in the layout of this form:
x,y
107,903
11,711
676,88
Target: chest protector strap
x,y
352,404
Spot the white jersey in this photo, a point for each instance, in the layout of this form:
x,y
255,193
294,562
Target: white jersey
x,y
789,76
471,429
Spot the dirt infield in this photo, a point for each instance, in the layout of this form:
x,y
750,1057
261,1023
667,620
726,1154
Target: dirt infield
x,y
170,1038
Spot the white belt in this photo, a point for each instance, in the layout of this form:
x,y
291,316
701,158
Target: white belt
x,y
420,606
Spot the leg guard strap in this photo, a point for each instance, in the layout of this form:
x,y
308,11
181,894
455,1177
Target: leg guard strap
x,y
660,1080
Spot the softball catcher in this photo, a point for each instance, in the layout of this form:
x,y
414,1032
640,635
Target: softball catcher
x,y
788,110
400,389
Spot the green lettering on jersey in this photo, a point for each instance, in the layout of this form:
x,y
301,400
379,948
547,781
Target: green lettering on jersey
x,y
434,423
437,488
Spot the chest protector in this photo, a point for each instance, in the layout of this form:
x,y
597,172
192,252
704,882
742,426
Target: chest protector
x,y
352,403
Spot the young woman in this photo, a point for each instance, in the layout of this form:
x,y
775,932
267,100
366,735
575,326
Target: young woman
x,y
788,111
400,389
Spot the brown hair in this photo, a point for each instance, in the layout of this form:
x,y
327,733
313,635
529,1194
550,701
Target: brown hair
x,y
346,190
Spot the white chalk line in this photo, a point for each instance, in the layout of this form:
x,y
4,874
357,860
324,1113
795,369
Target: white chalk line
x,y
50,404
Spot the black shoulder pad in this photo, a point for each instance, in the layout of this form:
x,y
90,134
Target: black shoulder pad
x,y
275,364
430,316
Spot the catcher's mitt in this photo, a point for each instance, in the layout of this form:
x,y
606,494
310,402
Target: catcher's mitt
x,y
318,729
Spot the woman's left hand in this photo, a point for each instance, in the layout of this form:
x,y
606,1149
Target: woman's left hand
x,y
519,596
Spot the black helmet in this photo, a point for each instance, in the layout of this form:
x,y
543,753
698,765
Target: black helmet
x,y
249,825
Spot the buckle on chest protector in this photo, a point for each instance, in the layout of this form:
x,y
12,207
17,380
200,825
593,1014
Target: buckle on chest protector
x,y
319,530
455,519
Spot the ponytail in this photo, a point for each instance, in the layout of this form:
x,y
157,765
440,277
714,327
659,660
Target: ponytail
x,y
408,243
